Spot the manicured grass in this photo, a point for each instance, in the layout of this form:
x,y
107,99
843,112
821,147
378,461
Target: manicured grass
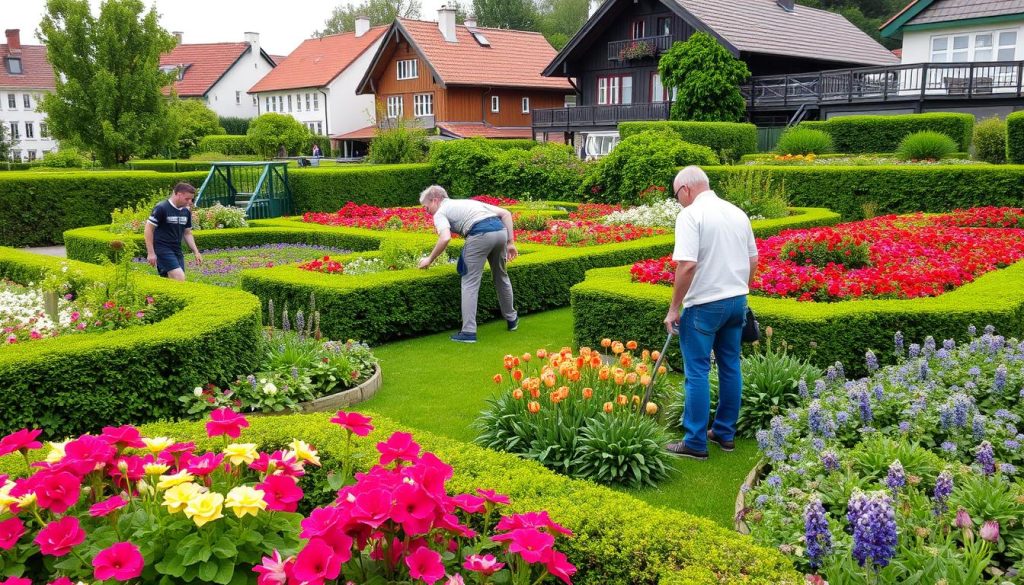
x,y
440,386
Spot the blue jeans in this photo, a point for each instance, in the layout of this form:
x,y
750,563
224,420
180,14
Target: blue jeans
x,y
716,326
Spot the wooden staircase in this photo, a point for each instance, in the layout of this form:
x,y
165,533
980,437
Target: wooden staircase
x,y
259,188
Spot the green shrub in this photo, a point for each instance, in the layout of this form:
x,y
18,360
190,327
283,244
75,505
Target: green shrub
x,y
401,144
643,160
271,132
730,140
990,140
856,134
1015,138
512,143
218,217
758,194
459,164
132,220
234,126
799,140
328,189
547,171
707,77
925,145
324,142
227,144
190,121
75,384
65,158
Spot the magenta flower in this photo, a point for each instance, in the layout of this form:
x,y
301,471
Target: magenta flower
x,y
11,530
22,440
107,506
278,464
60,536
484,564
372,507
225,421
413,509
123,437
990,531
558,565
126,470
530,543
206,464
470,503
273,570
353,422
16,581
56,491
399,446
963,519
493,496
540,520
425,564
316,563
281,493
121,561
62,581
85,454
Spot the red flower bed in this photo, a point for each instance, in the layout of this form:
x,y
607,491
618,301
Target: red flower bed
x,y
496,201
908,256
325,265
374,218
585,233
588,211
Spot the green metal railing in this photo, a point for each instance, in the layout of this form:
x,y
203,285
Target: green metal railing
x,y
261,189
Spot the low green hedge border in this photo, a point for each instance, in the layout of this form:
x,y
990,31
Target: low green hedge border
x,y
1015,138
618,540
609,303
884,133
327,189
75,383
731,138
755,158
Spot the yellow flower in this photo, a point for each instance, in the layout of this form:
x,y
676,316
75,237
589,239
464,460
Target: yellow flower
x,y
158,444
241,453
304,452
155,468
245,500
169,481
203,508
56,451
5,497
178,497
27,501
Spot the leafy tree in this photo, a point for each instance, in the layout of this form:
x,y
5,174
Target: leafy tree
x,y
270,132
343,17
510,14
560,19
233,125
867,15
108,97
190,121
7,142
401,143
707,78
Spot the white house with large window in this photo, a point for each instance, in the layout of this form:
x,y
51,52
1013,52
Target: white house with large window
x,y
25,76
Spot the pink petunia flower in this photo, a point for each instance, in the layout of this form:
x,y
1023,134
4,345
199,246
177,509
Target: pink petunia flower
x,y
225,421
540,520
121,561
273,570
530,543
205,464
85,454
107,506
558,565
470,503
353,422
11,530
16,581
399,446
62,581
425,564
493,496
483,564
60,536
22,440
56,491
281,493
316,563
123,437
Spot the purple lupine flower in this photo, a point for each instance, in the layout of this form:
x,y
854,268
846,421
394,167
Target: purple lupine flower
x,y
830,461
864,406
816,533
819,422
985,458
929,346
897,478
878,391
961,407
251,379
300,321
915,350
975,371
943,355
990,329
774,481
904,427
923,370
286,324
818,444
840,372
978,427
999,382
831,374
761,500
874,530
796,457
801,387
819,387
1007,468
762,439
1011,444
948,344
972,330
871,360
898,343
1003,414
948,447
842,416
943,488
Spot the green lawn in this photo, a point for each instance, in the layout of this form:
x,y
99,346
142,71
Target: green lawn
x,y
440,386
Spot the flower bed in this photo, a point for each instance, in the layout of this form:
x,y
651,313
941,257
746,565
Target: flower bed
x,y
798,160
414,219
897,257
585,233
908,473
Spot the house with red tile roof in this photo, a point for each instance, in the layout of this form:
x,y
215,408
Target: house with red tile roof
x,y
316,83
25,75
220,74
463,80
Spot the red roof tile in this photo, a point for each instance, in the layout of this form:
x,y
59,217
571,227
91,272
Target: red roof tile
x,y
205,64
37,71
470,130
513,59
316,62
362,134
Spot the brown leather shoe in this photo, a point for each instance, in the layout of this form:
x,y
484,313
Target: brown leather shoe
x,y
682,450
726,446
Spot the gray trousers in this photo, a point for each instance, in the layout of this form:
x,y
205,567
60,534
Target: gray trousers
x,y
488,247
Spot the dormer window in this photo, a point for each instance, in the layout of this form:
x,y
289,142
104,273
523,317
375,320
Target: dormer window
x,y
13,65
177,70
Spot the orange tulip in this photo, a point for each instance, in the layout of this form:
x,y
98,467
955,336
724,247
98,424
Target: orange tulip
x,y
588,393
580,361
555,397
574,375
595,361
620,378
662,369
631,378
631,345
636,399
655,355
563,392
497,378
609,407
533,407
517,394
652,408
527,357
517,375
617,347
542,353
645,380
621,400
515,360
549,380
626,360
603,374
645,355
586,351
566,352
534,392
509,362
606,343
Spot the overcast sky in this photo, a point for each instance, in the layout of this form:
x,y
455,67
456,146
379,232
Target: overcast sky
x,y
282,25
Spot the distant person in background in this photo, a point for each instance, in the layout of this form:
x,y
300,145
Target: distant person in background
x,y
316,151
169,224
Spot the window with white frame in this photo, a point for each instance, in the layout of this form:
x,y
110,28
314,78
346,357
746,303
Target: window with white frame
x,y
407,69
268,103
615,89
289,103
255,101
30,130
16,155
395,106
15,131
31,155
320,128
316,102
423,104
298,102
27,100
238,98
526,105
979,46
44,132
307,102
12,101
495,104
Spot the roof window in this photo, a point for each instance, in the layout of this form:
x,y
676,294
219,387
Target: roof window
x,y
13,65
480,38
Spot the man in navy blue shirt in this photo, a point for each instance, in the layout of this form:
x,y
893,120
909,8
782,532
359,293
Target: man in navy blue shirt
x,y
168,224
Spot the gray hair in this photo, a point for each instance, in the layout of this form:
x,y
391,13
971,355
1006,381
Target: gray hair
x,y
691,176
431,192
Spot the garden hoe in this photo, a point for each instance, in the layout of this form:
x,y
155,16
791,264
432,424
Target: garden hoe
x,y
654,374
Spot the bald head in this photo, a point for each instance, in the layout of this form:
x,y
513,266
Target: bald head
x,y
690,182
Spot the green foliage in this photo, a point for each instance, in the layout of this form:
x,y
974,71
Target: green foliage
x,y
771,377
707,78
560,19
510,14
132,219
730,140
1015,138
459,164
65,158
343,16
327,189
758,194
547,171
271,132
856,134
108,79
925,145
623,450
640,161
234,126
133,375
799,140
191,120
7,142
990,140
218,217
400,144
226,144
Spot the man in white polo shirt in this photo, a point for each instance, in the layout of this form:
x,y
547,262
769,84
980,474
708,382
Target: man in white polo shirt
x,y
717,259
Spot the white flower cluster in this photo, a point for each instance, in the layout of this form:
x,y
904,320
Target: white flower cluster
x,y
22,308
661,214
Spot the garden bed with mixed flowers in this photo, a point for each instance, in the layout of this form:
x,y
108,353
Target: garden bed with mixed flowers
x,y
911,474
123,507
896,257
855,160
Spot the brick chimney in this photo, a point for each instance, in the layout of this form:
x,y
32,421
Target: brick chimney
x,y
470,21
787,5
13,40
362,25
446,23
177,35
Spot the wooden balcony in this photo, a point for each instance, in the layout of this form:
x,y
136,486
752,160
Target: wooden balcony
x,y
638,48
922,81
584,117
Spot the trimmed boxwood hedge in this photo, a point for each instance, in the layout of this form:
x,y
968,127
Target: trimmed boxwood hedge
x,y
327,189
170,166
79,382
737,139
884,133
618,540
770,156
225,144
608,302
1015,138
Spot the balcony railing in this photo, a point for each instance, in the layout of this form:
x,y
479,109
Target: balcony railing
x,y
639,48
589,116
979,80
